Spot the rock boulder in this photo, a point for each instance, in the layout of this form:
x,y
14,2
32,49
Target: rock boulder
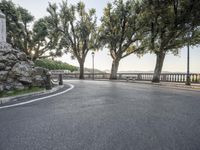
x,y
17,72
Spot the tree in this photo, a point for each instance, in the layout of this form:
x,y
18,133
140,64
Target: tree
x,y
44,40
168,23
25,18
17,20
121,31
77,28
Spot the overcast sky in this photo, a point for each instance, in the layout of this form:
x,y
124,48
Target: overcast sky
x,y
102,58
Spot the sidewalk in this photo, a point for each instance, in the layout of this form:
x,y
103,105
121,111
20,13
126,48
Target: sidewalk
x,y
176,85
193,86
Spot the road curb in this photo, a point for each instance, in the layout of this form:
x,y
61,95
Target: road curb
x,y
8,99
41,97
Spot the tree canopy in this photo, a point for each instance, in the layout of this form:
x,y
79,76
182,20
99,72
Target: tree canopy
x,y
127,27
54,65
77,29
121,31
45,39
18,20
168,24
40,39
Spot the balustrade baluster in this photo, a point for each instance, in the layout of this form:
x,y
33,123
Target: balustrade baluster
x,y
196,78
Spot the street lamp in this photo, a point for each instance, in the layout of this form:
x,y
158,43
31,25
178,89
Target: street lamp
x,y
93,65
188,82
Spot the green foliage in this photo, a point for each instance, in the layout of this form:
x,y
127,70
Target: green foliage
x,y
77,29
54,65
20,92
42,39
169,22
18,20
170,25
120,30
95,70
131,26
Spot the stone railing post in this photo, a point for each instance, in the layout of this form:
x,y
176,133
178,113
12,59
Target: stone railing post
x,y
139,76
60,79
164,77
48,81
120,76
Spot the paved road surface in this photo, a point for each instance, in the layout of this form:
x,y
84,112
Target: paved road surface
x,y
105,116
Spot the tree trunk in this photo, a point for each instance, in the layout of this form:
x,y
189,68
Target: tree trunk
x,y
159,64
81,75
114,69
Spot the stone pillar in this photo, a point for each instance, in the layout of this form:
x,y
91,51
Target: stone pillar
x,y
2,28
48,81
60,79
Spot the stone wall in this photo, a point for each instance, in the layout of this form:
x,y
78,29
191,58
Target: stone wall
x,y
17,72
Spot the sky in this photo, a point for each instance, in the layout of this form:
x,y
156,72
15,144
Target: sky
x,y
102,59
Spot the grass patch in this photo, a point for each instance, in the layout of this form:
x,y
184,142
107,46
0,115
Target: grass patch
x,y
20,92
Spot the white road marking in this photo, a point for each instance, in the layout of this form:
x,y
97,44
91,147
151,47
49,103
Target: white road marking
x,y
38,99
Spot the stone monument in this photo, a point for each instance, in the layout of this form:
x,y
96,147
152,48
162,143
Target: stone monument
x,y
2,27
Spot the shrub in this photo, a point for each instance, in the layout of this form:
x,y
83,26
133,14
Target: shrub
x,y
54,65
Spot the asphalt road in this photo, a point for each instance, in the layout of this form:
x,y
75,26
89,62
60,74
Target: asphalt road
x,y
105,116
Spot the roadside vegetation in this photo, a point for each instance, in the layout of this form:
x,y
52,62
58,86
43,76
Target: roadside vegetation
x,y
54,65
127,27
20,92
